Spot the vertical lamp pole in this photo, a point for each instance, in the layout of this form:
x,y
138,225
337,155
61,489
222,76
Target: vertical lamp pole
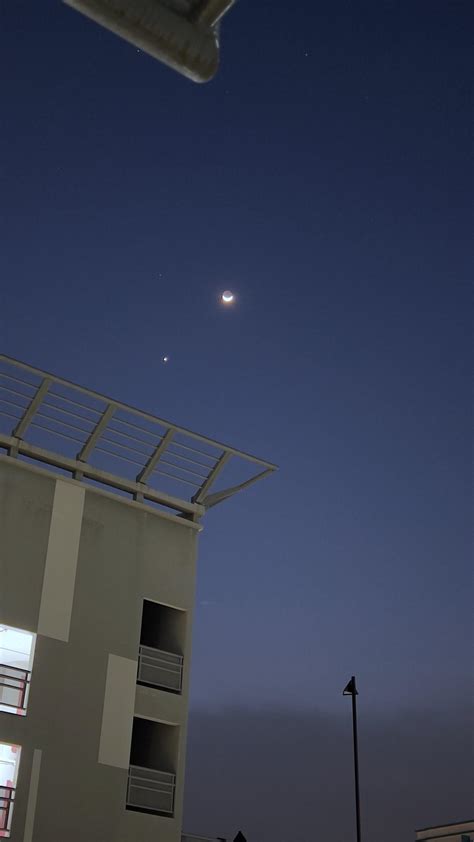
x,y
350,690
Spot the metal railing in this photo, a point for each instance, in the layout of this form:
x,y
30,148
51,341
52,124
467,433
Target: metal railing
x,y
73,429
14,687
151,790
160,669
7,797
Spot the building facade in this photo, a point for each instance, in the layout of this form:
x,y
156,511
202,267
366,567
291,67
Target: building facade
x,y
97,583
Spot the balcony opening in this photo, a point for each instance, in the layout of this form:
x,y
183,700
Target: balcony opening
x,y
152,773
16,662
160,658
9,763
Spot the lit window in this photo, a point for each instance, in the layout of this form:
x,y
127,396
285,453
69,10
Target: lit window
x,y
16,661
9,763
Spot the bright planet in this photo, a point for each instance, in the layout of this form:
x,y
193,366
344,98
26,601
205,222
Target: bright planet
x,y
228,297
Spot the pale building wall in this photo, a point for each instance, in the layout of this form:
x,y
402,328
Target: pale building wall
x,y
75,566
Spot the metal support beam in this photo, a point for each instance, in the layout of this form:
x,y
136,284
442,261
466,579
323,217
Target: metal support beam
x,y
211,11
27,418
150,465
218,467
13,450
91,442
219,496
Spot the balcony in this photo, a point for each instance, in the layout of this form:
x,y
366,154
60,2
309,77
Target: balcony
x,y
160,669
150,790
14,685
7,797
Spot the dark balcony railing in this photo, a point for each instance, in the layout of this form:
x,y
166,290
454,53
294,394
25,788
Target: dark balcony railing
x,y
151,790
14,687
7,797
160,669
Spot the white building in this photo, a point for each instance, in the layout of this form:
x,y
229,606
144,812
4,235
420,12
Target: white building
x,y
97,581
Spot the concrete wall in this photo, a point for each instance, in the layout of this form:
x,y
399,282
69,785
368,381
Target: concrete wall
x,y
87,613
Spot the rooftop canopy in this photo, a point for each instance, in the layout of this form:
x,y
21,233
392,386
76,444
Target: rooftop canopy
x,y
99,440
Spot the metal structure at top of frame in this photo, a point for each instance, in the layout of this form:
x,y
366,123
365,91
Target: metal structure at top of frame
x,y
184,34
93,438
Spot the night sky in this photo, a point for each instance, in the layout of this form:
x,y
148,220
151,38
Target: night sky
x,y
324,177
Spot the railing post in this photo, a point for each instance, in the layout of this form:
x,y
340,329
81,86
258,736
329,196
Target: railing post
x,y
6,802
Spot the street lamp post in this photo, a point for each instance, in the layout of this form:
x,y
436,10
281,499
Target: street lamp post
x,y
350,690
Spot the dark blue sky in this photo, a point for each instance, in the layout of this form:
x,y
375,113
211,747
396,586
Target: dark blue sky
x,y
325,177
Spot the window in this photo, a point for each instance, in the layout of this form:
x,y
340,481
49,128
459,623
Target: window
x,y
162,638
16,661
9,763
152,773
